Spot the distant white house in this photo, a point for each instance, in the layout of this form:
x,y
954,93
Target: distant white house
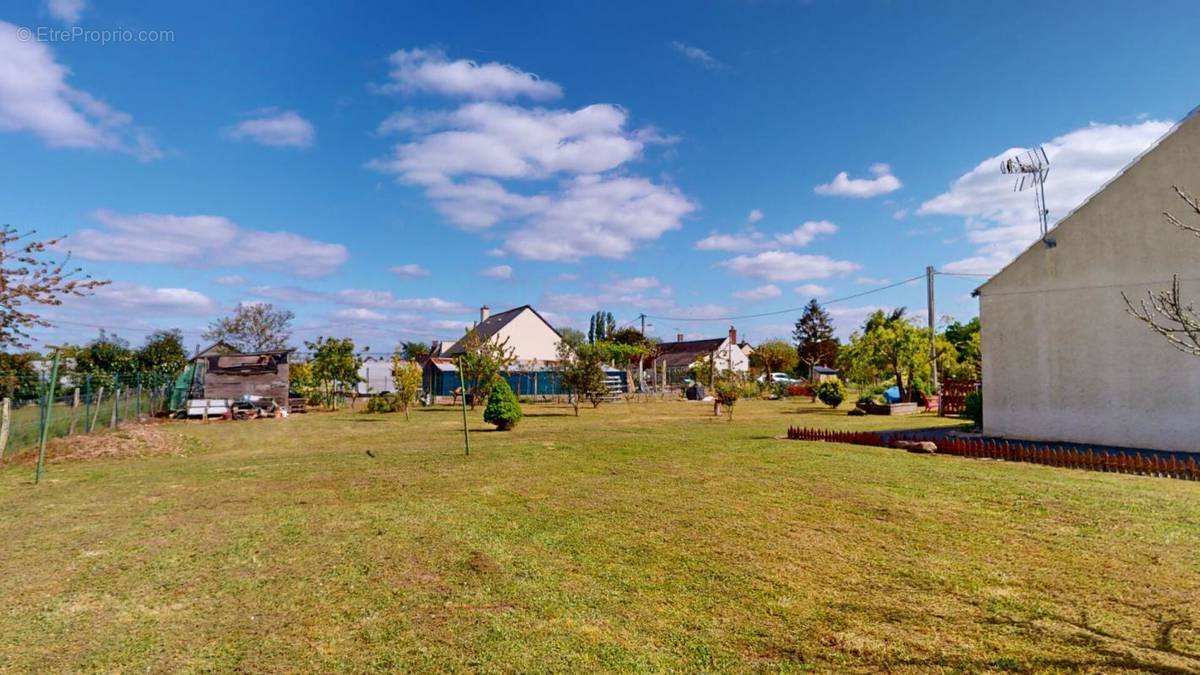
x,y
531,337
679,356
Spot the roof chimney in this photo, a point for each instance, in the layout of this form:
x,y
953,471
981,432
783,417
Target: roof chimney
x,y
732,335
679,337
484,313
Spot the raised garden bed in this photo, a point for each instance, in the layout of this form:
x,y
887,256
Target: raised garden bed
x,y
872,408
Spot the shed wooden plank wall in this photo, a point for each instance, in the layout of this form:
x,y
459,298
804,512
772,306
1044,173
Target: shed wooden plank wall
x,y
272,385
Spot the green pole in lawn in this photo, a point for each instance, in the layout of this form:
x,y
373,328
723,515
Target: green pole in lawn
x,y
462,384
41,461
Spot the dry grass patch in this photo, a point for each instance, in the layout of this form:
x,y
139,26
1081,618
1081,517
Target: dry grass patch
x,y
643,537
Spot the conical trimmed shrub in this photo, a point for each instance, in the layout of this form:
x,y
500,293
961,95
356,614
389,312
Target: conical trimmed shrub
x,y
502,409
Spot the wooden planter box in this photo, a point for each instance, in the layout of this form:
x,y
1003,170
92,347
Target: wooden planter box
x,y
891,408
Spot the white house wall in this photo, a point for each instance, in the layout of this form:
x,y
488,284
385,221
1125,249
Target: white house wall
x,y
530,338
1062,360
729,355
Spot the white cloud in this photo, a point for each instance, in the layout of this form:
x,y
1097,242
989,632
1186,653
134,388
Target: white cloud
x,y
429,70
290,294
570,302
813,290
409,271
760,293
747,241
498,272
126,297
66,11
631,285
600,216
275,128
872,281
752,240
496,252
698,55
202,240
35,97
787,266
577,207
358,314
755,216
230,280
385,300
843,185
1001,223
498,140
803,235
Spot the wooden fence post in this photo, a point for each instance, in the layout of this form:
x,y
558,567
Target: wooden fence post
x,y
74,412
6,414
96,411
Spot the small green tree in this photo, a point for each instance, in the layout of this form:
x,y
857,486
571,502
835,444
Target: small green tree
x,y
503,409
581,374
334,365
19,379
481,364
572,336
407,378
601,326
105,359
831,392
415,351
775,356
162,355
728,387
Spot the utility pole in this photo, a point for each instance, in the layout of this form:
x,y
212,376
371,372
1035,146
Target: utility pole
x,y
932,333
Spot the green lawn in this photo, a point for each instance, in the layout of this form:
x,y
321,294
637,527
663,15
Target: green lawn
x,y
636,537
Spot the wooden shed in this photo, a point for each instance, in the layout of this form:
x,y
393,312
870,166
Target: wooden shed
x,y
232,376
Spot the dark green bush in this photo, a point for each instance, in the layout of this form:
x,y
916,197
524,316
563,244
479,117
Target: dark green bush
x,y
973,407
831,392
381,403
502,409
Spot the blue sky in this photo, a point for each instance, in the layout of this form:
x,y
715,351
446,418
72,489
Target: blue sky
x,y
384,171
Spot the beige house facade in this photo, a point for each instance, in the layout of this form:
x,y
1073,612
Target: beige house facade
x,y
531,337
1062,358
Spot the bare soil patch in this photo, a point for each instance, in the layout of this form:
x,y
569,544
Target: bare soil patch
x,y
141,439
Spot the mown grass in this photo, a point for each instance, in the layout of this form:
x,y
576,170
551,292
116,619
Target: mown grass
x,y
644,537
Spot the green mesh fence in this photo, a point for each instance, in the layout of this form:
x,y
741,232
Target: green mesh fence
x,y
81,404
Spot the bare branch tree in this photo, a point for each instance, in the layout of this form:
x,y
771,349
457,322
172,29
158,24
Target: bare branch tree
x,y
28,280
1192,202
1164,311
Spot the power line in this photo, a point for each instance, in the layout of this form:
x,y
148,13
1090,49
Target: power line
x,y
791,310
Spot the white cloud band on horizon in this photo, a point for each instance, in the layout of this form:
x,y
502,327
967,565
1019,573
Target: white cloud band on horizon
x,y
203,241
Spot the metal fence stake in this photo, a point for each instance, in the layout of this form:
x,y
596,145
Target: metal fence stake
x,y
41,460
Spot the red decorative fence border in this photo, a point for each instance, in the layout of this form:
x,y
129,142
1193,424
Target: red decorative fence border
x,y
1165,466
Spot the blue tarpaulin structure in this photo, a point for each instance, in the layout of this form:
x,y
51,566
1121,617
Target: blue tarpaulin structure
x,y
441,378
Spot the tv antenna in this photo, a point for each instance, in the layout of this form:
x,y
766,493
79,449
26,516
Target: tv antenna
x,y
1031,168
